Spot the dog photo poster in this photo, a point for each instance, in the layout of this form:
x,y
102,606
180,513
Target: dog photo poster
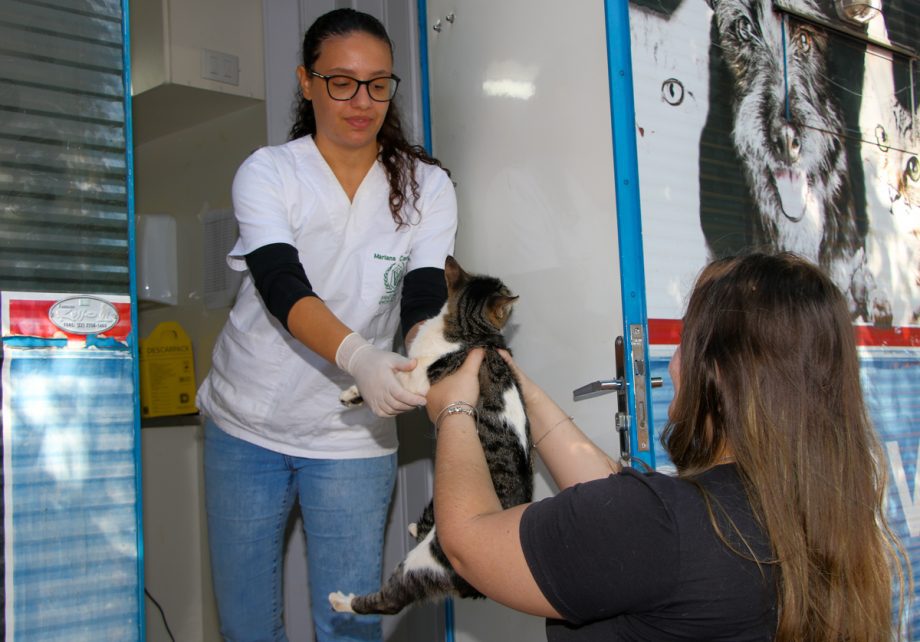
x,y
759,128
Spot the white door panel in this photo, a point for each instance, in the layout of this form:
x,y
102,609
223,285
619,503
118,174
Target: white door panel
x,y
520,114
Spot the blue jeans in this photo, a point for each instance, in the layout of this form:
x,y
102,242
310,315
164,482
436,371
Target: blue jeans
x,y
249,494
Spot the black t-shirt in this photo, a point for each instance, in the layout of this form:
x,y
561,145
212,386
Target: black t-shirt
x,y
635,557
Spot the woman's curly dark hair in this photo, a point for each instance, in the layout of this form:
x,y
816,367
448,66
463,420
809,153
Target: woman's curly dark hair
x,y
399,157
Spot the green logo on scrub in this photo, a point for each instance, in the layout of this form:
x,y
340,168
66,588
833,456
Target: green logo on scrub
x,y
392,278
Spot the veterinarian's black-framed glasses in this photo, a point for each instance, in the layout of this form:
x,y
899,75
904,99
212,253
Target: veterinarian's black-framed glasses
x,y
340,87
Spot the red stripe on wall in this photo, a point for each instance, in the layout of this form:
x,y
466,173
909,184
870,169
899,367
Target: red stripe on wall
x,y
905,337
664,332
667,332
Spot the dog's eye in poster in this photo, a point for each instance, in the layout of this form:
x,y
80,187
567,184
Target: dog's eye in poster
x,y
802,41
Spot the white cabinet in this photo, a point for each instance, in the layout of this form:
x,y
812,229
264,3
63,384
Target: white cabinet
x,y
193,60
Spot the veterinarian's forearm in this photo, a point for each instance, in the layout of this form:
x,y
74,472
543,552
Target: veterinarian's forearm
x,y
570,456
314,325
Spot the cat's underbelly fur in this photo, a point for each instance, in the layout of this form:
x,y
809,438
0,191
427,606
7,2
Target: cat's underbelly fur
x,y
515,416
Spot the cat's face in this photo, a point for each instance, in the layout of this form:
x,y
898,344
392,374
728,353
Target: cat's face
x,y
475,298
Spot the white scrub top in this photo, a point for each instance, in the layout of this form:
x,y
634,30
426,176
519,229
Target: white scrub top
x,y
266,387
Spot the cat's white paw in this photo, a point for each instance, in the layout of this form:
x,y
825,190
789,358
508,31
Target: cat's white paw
x,y
341,602
413,530
351,397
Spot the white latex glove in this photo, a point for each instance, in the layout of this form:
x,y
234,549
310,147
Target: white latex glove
x,y
374,371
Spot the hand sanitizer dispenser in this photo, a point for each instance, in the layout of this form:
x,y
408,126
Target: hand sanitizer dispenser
x,y
157,271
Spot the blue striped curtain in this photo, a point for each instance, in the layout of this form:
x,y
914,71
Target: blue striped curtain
x,y
71,527
70,503
63,172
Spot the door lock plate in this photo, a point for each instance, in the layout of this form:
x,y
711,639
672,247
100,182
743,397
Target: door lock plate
x,y
640,372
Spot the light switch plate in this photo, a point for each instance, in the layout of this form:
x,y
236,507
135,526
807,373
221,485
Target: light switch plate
x,y
220,67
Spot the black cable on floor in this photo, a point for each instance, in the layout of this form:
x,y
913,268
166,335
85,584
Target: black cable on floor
x,y
162,614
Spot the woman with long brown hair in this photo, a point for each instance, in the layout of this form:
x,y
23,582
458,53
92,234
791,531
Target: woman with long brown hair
x,y
769,375
774,526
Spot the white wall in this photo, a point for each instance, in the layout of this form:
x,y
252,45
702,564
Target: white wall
x,y
184,174
188,144
176,570
521,116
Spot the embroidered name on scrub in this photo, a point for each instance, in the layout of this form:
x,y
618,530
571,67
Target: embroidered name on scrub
x,y
392,276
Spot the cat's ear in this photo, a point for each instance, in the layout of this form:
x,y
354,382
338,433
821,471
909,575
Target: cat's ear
x,y
454,274
500,309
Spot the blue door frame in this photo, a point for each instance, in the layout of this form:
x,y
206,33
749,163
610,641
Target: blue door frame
x,y
132,340
629,215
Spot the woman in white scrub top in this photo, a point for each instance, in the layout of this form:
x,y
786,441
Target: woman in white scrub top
x,y
343,235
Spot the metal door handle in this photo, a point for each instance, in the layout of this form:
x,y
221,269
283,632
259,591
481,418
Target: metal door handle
x,y
623,419
596,388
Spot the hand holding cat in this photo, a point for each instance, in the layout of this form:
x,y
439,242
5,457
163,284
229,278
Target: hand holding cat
x,y
374,371
461,385
529,390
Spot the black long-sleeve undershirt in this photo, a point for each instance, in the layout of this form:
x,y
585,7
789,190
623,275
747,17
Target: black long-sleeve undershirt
x,y
281,282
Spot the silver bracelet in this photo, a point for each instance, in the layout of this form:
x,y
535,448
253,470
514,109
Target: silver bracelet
x,y
453,408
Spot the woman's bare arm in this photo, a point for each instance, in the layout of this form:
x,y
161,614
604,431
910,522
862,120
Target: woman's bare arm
x,y
570,456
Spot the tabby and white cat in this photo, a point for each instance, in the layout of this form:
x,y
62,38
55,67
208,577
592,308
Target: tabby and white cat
x,y
477,309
